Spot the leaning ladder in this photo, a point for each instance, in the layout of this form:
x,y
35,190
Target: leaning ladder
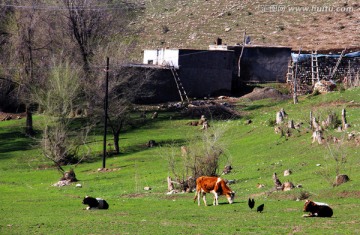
x,y
314,67
290,73
337,64
179,86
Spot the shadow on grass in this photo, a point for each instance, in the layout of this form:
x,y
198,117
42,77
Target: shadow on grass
x,y
260,106
13,141
135,148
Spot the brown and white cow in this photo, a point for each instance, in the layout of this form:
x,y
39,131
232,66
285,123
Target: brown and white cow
x,y
214,185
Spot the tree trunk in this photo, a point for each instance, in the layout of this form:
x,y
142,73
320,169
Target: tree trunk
x,y
116,142
29,130
279,118
317,136
170,184
291,124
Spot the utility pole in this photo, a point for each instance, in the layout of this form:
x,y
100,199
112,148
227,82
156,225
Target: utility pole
x,y
105,110
295,99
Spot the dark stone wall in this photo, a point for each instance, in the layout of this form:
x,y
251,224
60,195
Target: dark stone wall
x,y
206,73
348,67
262,64
160,88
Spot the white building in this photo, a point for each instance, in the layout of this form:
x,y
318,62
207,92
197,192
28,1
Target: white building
x,y
162,57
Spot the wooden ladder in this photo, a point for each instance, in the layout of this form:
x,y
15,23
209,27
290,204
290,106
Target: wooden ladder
x,y
314,67
290,73
337,64
179,86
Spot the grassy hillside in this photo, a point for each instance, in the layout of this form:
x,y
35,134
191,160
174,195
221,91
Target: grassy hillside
x,y
29,204
311,24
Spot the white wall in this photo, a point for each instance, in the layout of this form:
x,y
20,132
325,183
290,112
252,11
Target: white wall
x,y
162,57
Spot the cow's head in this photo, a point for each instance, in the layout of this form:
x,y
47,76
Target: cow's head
x,y
230,197
308,206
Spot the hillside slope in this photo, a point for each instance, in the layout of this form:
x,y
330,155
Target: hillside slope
x,y
311,25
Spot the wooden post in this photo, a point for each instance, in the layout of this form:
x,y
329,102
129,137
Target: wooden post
x,y
242,50
295,99
343,119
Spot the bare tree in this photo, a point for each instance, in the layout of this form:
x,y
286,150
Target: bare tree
x,y
125,84
57,98
204,153
93,23
26,49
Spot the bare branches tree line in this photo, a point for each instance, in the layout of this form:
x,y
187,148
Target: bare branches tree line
x,y
75,34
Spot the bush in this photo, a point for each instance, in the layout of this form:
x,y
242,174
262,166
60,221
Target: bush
x,y
203,155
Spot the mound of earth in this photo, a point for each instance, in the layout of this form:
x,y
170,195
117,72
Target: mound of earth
x,y
265,93
222,111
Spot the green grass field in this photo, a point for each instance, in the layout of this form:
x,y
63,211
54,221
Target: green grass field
x,y
29,204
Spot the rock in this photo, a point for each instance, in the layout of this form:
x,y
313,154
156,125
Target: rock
x,y
287,172
147,188
78,186
324,86
247,122
227,169
340,179
287,186
227,29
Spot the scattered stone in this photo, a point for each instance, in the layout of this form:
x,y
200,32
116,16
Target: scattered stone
x,y
247,122
70,176
62,183
147,188
287,186
227,29
340,179
287,172
155,115
151,143
172,192
231,182
78,186
227,169
324,86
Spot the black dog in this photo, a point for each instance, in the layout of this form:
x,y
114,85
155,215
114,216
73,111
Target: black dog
x,y
95,203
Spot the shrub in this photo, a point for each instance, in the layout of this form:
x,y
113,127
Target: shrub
x,y
203,155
